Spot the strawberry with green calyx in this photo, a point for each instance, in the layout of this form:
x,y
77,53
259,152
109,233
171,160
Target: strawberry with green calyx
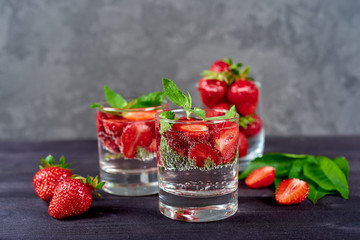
x,y
250,125
49,175
73,197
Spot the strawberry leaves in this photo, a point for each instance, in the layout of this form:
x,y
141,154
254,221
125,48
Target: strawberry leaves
x,y
50,162
323,175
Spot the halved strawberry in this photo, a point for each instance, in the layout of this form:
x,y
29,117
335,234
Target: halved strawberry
x,y
140,116
261,177
194,133
114,127
100,116
225,141
243,145
203,151
110,144
177,142
136,134
253,128
152,146
292,191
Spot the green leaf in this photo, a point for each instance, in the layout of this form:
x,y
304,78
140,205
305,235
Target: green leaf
x,y
165,125
100,185
167,115
149,100
245,72
244,121
315,193
62,160
343,165
231,113
238,65
96,105
199,112
174,94
50,160
227,60
296,170
234,71
206,73
114,99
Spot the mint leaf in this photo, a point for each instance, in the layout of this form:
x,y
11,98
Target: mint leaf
x,y
315,193
96,105
174,94
165,125
114,99
231,113
343,165
199,112
149,100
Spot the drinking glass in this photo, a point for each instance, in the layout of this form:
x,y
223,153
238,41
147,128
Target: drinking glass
x,y
197,166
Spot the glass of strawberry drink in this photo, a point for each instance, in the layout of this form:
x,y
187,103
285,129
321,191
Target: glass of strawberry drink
x,y
224,85
127,149
197,165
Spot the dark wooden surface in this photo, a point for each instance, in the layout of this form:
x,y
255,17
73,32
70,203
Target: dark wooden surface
x,y
24,216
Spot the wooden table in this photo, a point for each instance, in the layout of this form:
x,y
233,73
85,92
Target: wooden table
x,y
24,216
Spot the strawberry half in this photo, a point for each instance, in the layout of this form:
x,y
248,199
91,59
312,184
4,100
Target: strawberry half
x,y
243,145
244,94
110,144
226,141
114,127
140,115
292,191
253,128
100,116
194,133
152,146
49,176
177,142
136,134
261,177
72,196
212,92
203,151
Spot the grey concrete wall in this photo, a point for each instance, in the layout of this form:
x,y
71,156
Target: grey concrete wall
x,y
55,57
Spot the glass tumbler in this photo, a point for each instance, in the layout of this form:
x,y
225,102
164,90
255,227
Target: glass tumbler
x,y
127,150
197,164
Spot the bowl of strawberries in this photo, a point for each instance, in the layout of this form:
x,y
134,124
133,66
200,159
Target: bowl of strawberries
x,y
226,84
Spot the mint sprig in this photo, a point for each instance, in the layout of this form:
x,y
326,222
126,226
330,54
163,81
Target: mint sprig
x,y
115,100
175,95
323,175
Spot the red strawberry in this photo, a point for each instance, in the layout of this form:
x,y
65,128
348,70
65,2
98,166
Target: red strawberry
x,y
244,94
220,66
225,141
136,134
140,115
194,133
100,116
201,152
292,191
216,113
109,144
261,177
243,145
152,146
114,127
72,196
253,128
225,106
49,176
212,92
177,142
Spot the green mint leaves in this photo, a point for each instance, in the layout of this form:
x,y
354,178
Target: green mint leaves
x,y
165,125
115,100
175,95
323,175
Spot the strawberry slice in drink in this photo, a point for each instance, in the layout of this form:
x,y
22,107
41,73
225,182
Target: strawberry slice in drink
x,y
134,135
194,133
177,142
110,144
203,151
225,140
243,145
140,115
100,116
152,146
114,127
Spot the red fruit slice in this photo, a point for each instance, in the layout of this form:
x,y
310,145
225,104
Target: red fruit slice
x,y
244,94
114,127
243,145
261,177
152,146
136,134
226,141
194,133
110,145
177,142
212,92
219,66
100,116
292,191
203,151
140,116
253,128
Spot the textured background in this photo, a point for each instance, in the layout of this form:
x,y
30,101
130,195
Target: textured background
x,y
55,57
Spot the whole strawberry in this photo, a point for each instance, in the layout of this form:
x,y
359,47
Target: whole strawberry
x,y
212,91
49,175
73,197
250,125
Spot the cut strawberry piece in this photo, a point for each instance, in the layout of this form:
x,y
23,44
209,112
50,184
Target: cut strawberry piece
x,y
177,143
152,146
100,116
110,145
140,116
261,177
203,151
253,128
194,133
136,134
114,127
226,141
243,145
292,191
